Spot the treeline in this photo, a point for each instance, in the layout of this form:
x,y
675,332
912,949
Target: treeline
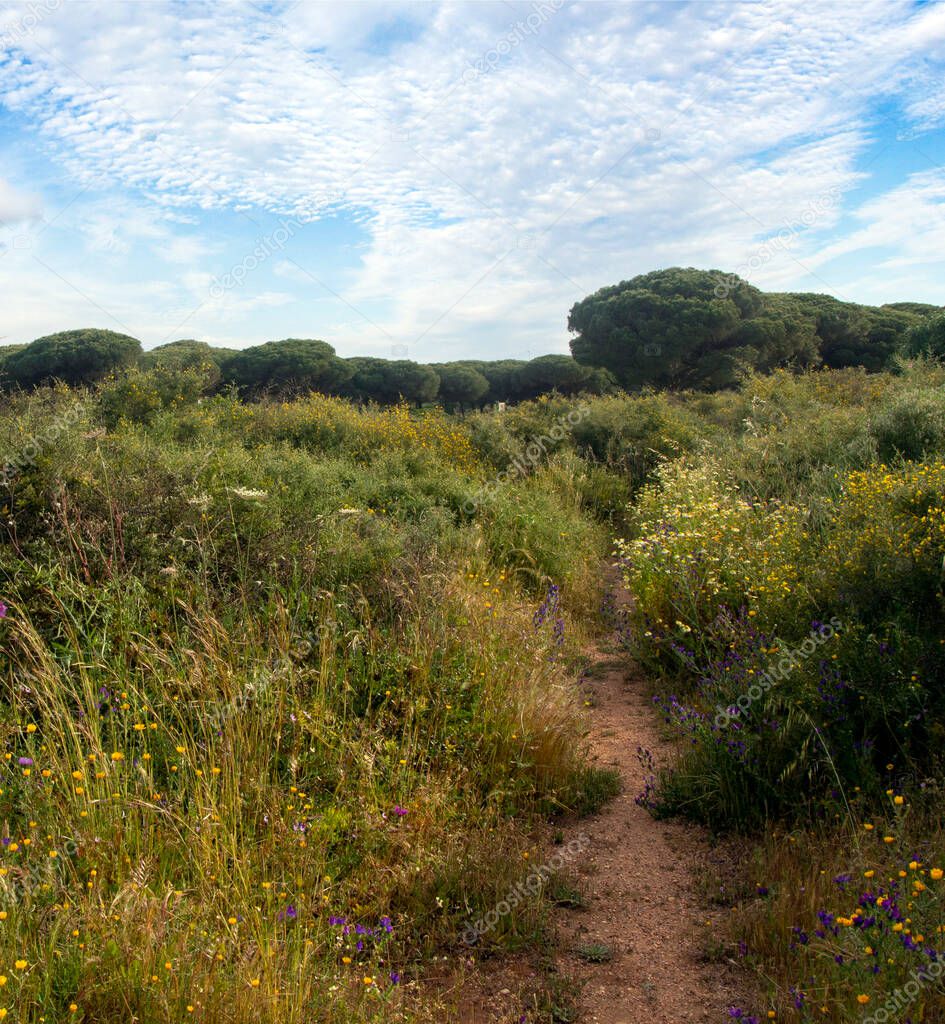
x,y
687,328
671,329
295,366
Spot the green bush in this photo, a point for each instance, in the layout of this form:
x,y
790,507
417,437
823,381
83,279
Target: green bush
x,y
735,558
911,425
263,657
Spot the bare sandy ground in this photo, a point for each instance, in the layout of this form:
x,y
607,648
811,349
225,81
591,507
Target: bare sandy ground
x,y
639,878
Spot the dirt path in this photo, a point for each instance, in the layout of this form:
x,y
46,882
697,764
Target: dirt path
x,y
642,918
639,878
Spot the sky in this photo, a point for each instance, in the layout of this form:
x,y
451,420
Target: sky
x,y
436,181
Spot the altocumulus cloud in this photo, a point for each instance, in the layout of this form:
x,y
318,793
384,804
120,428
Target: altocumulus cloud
x,y
475,208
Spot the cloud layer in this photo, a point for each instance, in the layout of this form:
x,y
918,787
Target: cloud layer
x,y
483,165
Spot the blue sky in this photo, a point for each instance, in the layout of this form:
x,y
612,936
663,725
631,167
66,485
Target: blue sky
x,y
436,181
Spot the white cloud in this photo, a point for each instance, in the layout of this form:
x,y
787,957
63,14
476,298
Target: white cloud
x,y
904,227
16,206
609,139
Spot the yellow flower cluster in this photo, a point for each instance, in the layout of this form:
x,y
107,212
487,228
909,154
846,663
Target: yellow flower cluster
x,y
890,517
700,545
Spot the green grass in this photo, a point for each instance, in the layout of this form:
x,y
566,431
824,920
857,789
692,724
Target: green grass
x,y
594,952
266,667
590,789
563,894
270,674
823,506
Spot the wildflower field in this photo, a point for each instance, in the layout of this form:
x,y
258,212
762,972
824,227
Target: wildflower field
x,y
289,687
788,597
279,718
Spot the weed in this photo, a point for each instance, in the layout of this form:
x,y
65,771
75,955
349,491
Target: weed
x,y
594,952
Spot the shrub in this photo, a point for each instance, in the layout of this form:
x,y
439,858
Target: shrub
x,y
289,367
726,588
270,675
911,424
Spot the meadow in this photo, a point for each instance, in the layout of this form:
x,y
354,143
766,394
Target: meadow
x,y
788,599
279,717
288,687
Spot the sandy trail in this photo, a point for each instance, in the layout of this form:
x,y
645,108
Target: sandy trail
x,y
639,879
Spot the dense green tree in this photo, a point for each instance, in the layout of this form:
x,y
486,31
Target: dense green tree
x,y
553,373
842,327
5,352
460,385
674,328
601,382
780,334
853,335
887,336
412,381
185,353
919,308
194,357
391,380
503,378
75,357
692,328
685,327
289,367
